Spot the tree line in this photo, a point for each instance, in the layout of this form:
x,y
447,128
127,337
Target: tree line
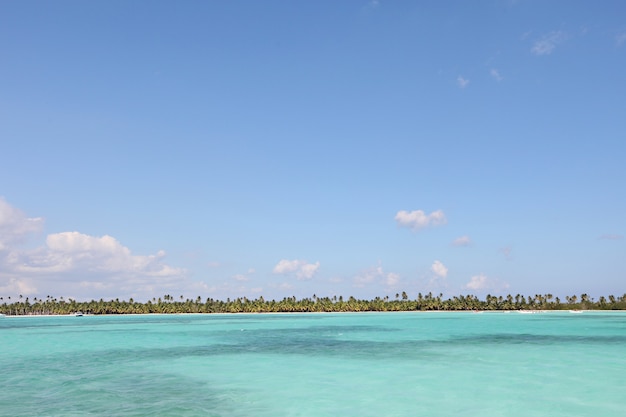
x,y
423,302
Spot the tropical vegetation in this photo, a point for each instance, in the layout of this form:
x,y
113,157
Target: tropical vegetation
x,y
401,302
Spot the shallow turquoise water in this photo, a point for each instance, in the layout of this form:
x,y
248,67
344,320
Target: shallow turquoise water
x,y
310,365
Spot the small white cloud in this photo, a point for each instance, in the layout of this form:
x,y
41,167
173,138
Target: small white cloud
x,y
308,270
477,282
612,237
368,276
620,38
300,268
392,279
439,269
285,266
241,278
547,43
376,274
462,241
370,6
417,219
495,74
462,82
482,283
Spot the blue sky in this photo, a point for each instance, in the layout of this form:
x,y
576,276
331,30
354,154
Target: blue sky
x,y
248,148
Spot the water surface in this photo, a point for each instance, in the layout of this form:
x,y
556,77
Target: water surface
x,y
310,365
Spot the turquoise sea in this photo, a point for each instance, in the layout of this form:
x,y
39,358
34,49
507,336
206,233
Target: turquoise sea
x,y
312,365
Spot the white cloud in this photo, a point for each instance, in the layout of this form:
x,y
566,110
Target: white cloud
x,y
371,6
308,270
83,266
300,268
547,43
482,283
416,220
477,282
73,251
244,277
495,74
15,286
439,269
15,226
462,82
612,237
241,277
392,279
462,241
285,266
367,277
620,38
376,274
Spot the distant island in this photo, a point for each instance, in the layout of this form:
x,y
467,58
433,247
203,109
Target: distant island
x,y
23,306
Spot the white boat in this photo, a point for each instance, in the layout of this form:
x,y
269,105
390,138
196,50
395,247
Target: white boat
x,y
576,311
78,314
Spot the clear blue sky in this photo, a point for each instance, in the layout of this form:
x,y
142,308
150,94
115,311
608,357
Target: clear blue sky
x,y
280,148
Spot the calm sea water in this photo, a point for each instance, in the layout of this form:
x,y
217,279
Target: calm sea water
x,y
310,365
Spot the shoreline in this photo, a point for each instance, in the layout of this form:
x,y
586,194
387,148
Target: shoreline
x,y
319,312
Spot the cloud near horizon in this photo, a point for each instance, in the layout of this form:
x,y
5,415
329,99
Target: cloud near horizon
x,y
482,283
417,219
300,268
374,275
77,265
477,282
439,269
